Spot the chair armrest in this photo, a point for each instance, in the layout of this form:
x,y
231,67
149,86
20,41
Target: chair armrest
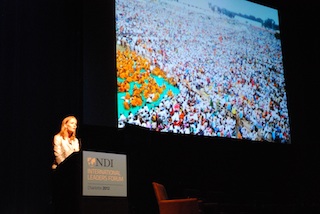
x,y
180,200
174,206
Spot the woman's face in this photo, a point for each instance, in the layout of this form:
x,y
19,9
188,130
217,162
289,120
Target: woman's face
x,y
71,125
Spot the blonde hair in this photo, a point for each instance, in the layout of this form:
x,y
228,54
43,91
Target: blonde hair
x,y
64,131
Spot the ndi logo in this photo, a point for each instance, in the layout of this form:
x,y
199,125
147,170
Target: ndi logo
x,y
104,162
91,161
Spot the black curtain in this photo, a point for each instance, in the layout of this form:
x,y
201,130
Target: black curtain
x,y
40,83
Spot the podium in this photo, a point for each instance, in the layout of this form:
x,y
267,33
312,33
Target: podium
x,y
71,184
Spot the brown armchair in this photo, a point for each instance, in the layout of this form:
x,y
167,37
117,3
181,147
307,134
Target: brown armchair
x,y
174,206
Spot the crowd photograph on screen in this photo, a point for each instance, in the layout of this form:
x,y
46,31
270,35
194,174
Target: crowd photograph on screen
x,y
207,67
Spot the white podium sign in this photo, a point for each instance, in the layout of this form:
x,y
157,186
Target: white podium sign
x,y
104,174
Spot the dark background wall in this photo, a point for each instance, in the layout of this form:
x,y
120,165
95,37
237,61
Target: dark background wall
x,y
41,82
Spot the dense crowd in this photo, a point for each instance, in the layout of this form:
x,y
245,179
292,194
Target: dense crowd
x,y
229,73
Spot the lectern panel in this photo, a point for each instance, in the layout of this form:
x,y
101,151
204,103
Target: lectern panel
x,y
104,174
